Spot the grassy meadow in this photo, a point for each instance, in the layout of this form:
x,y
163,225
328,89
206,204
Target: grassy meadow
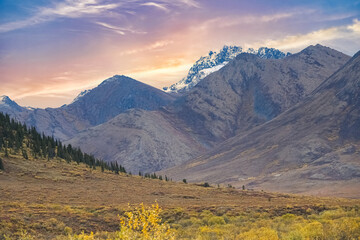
x,y
54,199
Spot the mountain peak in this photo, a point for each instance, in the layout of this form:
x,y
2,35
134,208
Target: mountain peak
x,y
7,103
214,61
118,78
116,95
318,48
5,99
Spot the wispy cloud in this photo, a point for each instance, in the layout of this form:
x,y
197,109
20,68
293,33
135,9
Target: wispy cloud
x,y
190,3
80,8
183,3
156,5
346,32
119,30
111,27
154,46
69,8
230,21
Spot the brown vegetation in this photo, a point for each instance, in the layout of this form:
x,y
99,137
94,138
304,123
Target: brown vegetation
x,y
50,198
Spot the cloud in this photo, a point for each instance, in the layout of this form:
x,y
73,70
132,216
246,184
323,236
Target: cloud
x,y
115,29
156,5
69,8
230,21
184,3
153,46
190,3
295,42
80,8
119,30
77,8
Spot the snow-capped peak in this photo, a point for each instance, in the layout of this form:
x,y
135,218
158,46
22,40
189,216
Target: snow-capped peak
x,y
215,61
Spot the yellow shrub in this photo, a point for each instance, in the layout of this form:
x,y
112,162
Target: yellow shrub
x,y
82,236
209,233
313,231
215,220
144,223
259,234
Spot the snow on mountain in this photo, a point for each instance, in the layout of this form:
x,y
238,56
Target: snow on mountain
x,y
215,61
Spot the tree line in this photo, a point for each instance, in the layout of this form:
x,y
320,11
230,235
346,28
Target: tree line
x,y
17,138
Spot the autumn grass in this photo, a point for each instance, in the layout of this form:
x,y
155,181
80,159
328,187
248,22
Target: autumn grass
x,y
55,199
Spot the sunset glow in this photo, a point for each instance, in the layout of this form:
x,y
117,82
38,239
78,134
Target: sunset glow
x,y
52,50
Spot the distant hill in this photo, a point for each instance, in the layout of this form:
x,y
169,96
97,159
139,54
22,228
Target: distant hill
x,y
314,147
215,61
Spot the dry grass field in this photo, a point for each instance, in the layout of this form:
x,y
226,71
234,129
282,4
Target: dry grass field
x,y
55,198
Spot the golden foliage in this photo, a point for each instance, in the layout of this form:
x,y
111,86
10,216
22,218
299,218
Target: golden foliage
x,y
259,234
144,223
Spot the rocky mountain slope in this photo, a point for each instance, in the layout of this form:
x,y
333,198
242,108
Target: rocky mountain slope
x,y
140,140
314,147
215,61
250,90
112,97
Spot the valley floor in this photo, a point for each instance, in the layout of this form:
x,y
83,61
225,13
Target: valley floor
x,y
54,198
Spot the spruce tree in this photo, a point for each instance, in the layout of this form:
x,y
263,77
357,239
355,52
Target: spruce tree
x,y
6,151
1,165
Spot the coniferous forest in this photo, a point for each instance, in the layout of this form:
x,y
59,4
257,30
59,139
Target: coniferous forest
x,y
17,138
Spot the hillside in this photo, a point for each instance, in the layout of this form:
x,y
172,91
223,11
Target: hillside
x,y
49,198
54,192
311,148
146,141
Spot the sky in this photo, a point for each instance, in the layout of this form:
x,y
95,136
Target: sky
x,y
51,50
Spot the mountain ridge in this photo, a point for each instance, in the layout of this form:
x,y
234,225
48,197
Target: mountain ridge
x,y
214,61
231,101
250,91
314,144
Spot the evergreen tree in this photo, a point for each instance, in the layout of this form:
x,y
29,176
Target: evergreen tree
x,y
15,136
24,154
1,165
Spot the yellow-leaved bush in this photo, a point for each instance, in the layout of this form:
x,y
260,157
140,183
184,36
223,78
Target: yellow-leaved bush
x,y
144,223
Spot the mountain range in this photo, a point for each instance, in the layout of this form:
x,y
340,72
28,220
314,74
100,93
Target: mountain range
x,y
312,147
245,93
264,119
215,61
